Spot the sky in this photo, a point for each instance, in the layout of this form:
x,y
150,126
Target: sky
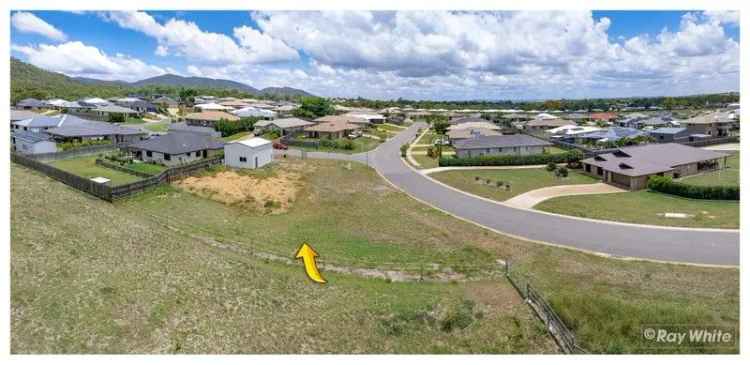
x,y
436,55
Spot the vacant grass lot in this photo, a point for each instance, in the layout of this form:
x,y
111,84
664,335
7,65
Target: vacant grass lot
x,y
729,176
157,126
361,144
520,180
647,207
146,168
92,277
89,276
86,167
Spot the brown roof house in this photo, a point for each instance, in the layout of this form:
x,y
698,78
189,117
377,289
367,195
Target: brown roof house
x,y
344,119
337,128
546,123
209,118
512,144
631,167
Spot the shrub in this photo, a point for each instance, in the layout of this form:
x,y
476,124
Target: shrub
x,y
666,185
514,160
431,152
404,148
562,172
551,166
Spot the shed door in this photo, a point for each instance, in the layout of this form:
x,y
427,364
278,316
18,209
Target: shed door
x,y
256,162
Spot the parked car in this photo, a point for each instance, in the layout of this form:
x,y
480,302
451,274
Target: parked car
x,y
280,146
355,134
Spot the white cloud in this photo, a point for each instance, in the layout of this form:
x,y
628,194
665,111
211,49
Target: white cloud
x,y
78,59
723,16
186,39
30,23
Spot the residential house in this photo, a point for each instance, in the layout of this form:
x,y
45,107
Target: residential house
x,y
139,105
337,128
370,117
483,124
670,134
31,142
631,167
253,112
183,127
165,102
249,153
16,115
55,103
174,149
466,133
284,126
513,144
714,124
464,120
30,104
209,118
606,117
69,128
105,112
612,134
211,107
343,119
546,123
93,103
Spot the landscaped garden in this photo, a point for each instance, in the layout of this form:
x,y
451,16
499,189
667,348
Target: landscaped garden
x,y
502,185
342,145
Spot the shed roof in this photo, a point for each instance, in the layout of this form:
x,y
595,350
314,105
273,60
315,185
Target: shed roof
x,y
651,158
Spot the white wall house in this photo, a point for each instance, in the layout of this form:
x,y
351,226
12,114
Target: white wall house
x,y
248,153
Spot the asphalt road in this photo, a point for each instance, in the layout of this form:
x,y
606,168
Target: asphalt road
x,y
664,244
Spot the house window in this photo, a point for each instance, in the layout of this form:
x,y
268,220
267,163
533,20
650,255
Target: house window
x,y
599,171
488,150
148,153
243,159
167,156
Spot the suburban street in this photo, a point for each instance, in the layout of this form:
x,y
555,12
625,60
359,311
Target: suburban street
x,y
696,246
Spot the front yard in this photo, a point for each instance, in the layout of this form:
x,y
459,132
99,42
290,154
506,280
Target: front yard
x,y
360,144
485,182
646,207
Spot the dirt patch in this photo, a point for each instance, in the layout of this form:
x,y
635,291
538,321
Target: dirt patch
x,y
496,296
268,194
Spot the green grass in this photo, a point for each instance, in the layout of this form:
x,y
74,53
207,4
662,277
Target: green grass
x,y
520,180
103,278
99,277
236,136
87,167
427,138
361,144
425,162
132,120
645,206
730,176
146,168
158,126
554,150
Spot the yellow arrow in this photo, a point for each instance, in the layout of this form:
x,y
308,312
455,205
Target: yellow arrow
x,y
308,255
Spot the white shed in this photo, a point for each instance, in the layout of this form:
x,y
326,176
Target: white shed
x,y
248,153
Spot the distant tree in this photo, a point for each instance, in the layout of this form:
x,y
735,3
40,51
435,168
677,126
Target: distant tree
x,y
116,118
441,127
187,96
314,107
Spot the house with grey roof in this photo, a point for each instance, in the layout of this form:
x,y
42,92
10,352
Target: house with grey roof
x,y
183,127
612,134
631,167
173,149
714,124
70,128
16,115
285,126
30,104
460,134
495,145
140,106
31,142
670,134
107,110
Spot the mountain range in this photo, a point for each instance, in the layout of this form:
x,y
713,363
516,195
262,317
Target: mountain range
x,y
31,81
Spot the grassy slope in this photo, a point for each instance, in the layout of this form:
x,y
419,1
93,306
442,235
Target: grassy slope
x,y
645,206
521,181
727,177
91,277
351,214
86,167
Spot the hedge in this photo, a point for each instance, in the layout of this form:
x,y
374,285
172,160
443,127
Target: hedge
x,y
666,185
512,160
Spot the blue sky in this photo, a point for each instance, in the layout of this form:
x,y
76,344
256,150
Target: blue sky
x,y
434,55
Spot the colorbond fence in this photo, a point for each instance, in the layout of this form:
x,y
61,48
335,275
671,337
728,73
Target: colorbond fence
x,y
76,152
111,193
81,183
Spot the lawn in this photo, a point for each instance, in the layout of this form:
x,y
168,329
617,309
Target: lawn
x,y
146,168
361,144
132,120
425,162
427,138
121,282
520,180
729,176
157,126
87,167
647,207
236,136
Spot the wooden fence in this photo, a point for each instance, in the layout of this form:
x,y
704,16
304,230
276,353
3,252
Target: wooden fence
x,y
81,183
166,176
75,152
564,337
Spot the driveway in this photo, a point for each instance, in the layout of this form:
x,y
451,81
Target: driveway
x,y
687,245
529,199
